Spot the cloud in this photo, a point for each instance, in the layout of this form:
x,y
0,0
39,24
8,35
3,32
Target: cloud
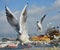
x,y
36,10
56,3
55,6
2,16
35,13
17,14
4,25
55,17
43,9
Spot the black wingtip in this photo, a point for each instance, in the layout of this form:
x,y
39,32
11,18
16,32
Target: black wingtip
x,y
45,15
37,21
5,6
27,2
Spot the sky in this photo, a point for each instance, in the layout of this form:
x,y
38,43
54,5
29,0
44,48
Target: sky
x,y
36,9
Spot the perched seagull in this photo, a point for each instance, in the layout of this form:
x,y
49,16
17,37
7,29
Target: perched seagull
x,y
20,26
39,23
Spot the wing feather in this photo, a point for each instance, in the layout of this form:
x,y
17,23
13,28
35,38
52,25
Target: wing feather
x,y
43,18
23,19
11,19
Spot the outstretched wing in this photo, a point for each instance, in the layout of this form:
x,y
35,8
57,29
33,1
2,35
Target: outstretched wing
x,y
23,30
23,19
11,19
43,18
23,16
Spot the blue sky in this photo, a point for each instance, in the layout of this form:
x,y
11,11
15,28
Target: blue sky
x,y
36,9
19,4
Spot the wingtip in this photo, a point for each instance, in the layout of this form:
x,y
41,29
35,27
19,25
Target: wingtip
x,y
44,14
5,6
7,9
37,21
27,2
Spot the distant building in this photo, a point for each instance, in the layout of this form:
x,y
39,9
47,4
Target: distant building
x,y
5,39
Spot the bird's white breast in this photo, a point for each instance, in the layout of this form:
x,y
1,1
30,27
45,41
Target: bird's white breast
x,y
39,24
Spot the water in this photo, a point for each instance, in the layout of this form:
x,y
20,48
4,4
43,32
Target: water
x,y
33,48
41,47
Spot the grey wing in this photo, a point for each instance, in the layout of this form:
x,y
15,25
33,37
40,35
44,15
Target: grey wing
x,y
43,18
23,19
11,19
23,16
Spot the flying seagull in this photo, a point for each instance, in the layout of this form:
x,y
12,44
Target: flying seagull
x,y
19,26
39,23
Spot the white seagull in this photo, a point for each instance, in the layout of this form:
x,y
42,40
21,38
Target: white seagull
x,y
20,26
39,23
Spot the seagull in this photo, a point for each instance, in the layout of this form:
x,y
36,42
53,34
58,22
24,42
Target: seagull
x,y
56,37
39,23
19,26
